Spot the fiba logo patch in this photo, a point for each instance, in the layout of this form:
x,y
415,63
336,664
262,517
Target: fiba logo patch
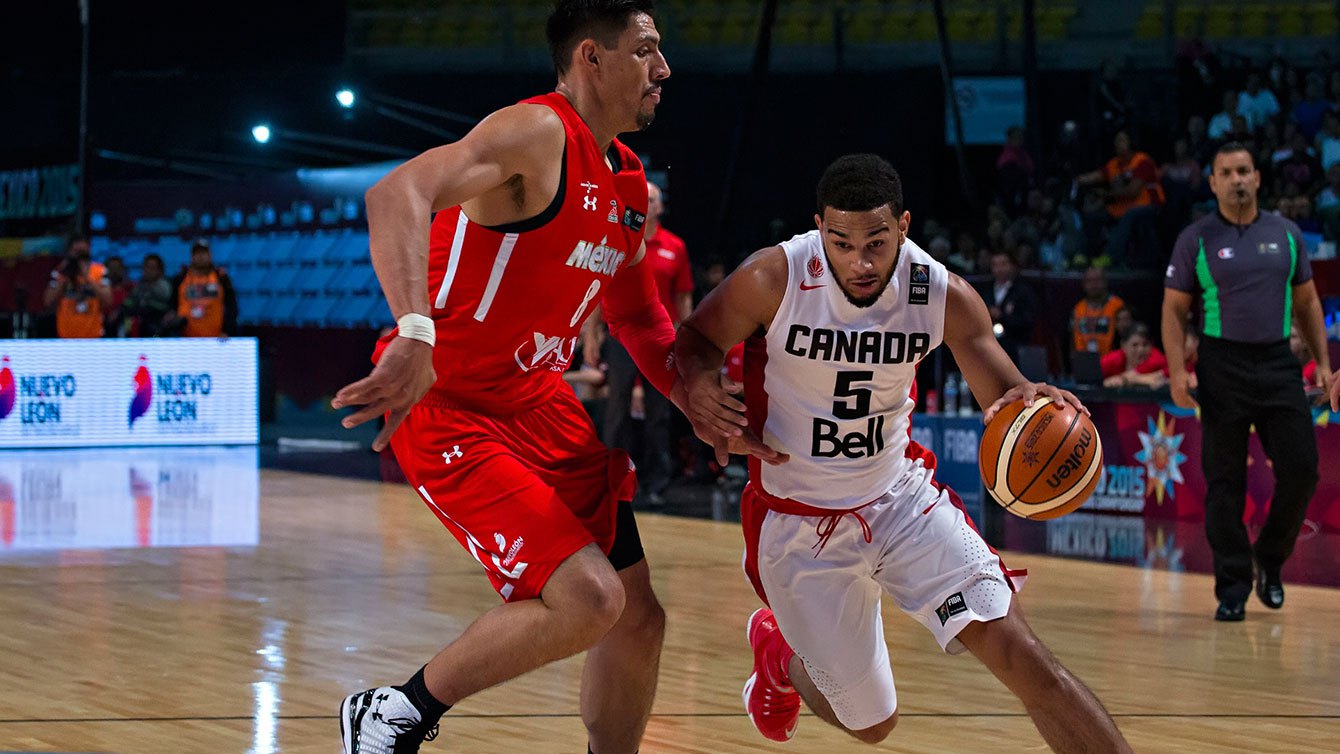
x,y
815,267
144,392
951,607
8,392
919,291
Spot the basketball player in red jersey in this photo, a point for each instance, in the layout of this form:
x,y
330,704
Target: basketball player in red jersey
x,y
836,321
539,219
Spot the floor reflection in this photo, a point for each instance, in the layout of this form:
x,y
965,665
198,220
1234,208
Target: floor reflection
x,y
100,498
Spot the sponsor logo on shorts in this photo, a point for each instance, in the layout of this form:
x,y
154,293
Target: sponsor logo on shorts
x,y
951,607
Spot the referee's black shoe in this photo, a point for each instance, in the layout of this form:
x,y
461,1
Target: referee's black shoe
x,y
1269,587
1231,610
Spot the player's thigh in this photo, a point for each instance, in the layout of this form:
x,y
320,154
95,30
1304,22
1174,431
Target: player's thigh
x,y
827,608
504,514
938,568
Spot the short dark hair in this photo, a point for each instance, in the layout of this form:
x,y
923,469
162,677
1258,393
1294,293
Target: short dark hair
x,y
1231,147
601,20
859,183
154,257
1138,329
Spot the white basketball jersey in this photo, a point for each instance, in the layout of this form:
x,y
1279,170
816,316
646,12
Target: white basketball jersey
x,y
832,383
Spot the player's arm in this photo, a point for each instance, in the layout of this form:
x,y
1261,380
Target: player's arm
x,y
635,317
522,141
1312,326
1176,307
994,380
744,302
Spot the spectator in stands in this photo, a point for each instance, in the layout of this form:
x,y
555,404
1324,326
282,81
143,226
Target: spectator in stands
x,y
1015,172
203,298
1222,122
1309,113
1013,306
1328,205
1134,197
1328,141
1301,167
965,252
1094,319
1137,363
1125,321
80,293
120,284
149,305
1181,179
1200,146
1257,104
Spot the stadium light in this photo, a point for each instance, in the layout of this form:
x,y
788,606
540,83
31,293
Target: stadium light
x,y
345,97
261,133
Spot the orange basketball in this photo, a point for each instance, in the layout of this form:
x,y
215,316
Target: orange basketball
x,y
1042,461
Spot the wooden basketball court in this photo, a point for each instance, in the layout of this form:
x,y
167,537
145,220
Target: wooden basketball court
x,y
355,584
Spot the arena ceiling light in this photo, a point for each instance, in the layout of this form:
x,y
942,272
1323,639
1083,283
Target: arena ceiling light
x,y
345,97
261,133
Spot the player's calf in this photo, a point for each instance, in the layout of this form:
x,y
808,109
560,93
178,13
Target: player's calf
x,y
876,733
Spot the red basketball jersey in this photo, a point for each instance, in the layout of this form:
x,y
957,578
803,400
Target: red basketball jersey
x,y
509,301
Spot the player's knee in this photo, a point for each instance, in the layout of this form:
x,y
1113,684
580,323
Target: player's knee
x,y
600,602
877,733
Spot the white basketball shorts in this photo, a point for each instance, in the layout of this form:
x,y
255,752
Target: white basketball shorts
x,y
917,544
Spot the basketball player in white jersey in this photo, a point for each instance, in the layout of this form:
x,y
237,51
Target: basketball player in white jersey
x,y
835,322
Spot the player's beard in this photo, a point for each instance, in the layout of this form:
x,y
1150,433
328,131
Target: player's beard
x,y
645,118
870,300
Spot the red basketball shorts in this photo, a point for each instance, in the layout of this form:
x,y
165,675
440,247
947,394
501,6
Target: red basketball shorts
x,y
521,492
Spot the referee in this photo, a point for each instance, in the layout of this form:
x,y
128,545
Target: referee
x,y
1252,278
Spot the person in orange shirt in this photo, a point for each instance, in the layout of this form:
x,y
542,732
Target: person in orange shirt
x,y
203,297
1094,319
1134,196
79,292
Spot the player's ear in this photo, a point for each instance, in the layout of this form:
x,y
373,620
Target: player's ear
x,y
587,54
904,222
818,222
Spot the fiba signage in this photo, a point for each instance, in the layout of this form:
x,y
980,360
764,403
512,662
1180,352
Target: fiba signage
x,y
127,392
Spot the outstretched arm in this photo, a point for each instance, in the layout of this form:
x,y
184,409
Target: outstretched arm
x,y
745,302
994,380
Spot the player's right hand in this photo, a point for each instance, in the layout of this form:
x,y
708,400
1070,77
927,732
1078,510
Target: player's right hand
x,y
402,376
718,418
1180,386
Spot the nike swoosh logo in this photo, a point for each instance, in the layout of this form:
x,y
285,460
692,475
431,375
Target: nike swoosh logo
x,y
804,287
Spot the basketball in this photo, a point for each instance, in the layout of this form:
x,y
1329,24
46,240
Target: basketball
x,y
1040,461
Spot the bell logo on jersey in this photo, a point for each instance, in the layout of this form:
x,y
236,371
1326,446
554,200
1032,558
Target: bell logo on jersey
x,y
597,258
545,351
827,442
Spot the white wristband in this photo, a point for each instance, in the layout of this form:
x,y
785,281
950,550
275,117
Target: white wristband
x,y
417,327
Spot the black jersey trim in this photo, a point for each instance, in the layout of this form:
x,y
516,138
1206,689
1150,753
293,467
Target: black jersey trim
x,y
549,213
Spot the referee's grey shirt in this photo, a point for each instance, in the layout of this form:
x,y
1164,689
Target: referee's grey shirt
x,y
1244,275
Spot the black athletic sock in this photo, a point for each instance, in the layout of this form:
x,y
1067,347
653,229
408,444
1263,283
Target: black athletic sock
x,y
430,709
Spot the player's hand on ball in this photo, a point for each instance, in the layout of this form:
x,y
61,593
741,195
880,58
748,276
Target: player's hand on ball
x,y
1026,392
402,376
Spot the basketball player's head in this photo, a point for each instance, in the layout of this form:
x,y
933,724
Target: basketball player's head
x,y
1234,178
612,49
863,224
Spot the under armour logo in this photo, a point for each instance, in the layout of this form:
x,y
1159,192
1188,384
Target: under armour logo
x,y
589,202
455,452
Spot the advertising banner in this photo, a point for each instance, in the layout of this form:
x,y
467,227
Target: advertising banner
x,y
89,393
1151,457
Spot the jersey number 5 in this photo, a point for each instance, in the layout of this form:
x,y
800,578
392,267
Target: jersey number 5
x,y
859,405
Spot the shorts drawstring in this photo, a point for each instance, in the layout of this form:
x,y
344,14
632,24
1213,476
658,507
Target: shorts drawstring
x,y
828,524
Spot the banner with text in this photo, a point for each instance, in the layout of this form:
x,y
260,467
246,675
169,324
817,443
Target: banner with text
x,y
85,393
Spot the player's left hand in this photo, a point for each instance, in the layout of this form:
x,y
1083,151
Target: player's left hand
x,y
1026,392
1326,381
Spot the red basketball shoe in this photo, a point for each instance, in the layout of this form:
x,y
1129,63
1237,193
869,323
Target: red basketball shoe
x,y
772,702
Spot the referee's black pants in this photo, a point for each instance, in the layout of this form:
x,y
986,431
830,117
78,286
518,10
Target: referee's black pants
x,y
1241,385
